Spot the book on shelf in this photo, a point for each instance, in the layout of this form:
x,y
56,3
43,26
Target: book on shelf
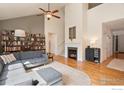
x,y
11,43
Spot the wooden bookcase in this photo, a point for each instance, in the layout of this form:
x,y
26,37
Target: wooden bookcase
x,y
37,42
10,43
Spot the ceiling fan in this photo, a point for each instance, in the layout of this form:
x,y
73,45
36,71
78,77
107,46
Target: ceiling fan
x,y
49,13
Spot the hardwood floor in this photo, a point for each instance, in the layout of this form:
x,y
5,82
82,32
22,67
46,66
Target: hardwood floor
x,y
99,73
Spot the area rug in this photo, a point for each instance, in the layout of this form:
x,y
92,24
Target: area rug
x,y
71,76
117,64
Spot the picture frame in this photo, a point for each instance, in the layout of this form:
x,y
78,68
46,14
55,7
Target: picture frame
x,y
72,33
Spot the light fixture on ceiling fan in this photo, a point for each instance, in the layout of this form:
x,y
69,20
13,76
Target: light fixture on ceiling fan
x,y
49,13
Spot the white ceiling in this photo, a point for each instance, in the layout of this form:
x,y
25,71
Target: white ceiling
x,y
8,11
116,25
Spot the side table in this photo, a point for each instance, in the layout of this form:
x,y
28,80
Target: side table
x,y
50,56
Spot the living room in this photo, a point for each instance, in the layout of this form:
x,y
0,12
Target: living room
x,y
31,36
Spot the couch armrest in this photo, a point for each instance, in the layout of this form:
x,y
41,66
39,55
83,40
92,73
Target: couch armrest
x,y
45,56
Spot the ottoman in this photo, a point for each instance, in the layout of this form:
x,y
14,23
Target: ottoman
x,y
50,76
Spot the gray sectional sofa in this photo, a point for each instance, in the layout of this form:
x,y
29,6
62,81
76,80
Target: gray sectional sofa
x,y
14,72
35,57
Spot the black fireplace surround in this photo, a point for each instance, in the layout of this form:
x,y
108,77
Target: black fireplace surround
x,y
72,52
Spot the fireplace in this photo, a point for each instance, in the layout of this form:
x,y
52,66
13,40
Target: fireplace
x,y
72,52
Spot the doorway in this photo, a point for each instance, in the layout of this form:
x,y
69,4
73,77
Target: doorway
x,y
121,43
52,43
118,43
113,38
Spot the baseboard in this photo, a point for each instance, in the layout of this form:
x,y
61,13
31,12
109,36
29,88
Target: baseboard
x,y
121,52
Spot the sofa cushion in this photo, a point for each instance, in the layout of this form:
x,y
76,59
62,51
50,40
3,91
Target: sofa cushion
x,y
2,82
17,55
3,76
30,54
35,60
11,58
45,56
22,79
13,66
15,62
8,58
1,66
37,54
4,58
12,73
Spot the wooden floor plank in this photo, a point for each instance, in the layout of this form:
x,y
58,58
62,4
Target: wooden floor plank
x,y
99,73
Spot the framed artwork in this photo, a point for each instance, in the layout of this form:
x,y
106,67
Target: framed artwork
x,y
72,33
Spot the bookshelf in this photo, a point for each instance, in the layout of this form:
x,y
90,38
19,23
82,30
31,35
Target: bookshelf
x,y
11,43
37,42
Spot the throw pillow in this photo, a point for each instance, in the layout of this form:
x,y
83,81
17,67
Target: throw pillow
x,y
8,58
12,57
3,57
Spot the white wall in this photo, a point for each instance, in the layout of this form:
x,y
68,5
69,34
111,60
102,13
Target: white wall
x,y
53,45
108,41
76,15
120,32
121,43
84,29
99,15
56,26
73,17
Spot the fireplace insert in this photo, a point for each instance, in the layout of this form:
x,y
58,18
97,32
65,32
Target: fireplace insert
x,y
72,52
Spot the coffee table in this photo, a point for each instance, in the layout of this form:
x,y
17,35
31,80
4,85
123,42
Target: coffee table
x,y
50,76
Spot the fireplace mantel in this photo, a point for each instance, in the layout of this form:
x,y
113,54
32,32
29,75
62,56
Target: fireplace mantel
x,y
79,50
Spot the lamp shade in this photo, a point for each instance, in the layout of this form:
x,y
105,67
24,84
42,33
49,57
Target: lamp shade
x,y
93,42
19,33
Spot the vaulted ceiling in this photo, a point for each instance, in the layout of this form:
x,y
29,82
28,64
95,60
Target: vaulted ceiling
x,y
13,10
116,25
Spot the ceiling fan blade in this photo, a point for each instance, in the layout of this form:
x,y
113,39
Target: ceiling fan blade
x,y
56,16
55,11
42,9
40,14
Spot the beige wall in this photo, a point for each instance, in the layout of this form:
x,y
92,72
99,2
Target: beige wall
x,y
34,24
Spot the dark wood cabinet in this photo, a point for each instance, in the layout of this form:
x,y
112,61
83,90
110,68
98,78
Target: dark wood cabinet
x,y
92,54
